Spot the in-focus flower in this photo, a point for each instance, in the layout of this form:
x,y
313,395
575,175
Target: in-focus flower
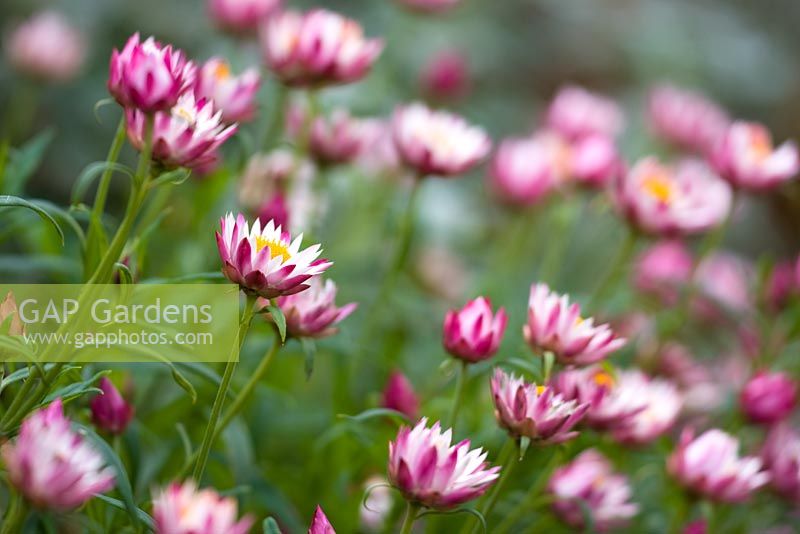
x,y
377,505
781,286
110,412
723,286
148,76
320,523
576,112
317,48
781,456
662,405
53,466
590,483
663,269
336,139
428,470
185,509
710,465
264,261
472,333
445,77
46,47
685,118
9,315
555,325
535,412
241,16
437,142
524,171
188,135
748,160
429,6
313,313
662,200
399,395
234,96
768,397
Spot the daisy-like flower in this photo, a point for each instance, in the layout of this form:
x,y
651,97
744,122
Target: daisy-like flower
x,y
437,142
52,465
188,135
234,96
313,313
662,405
336,139
524,171
241,16
555,325
473,334
429,471
148,76
576,112
320,523
183,509
264,261
535,412
710,465
47,47
662,200
317,48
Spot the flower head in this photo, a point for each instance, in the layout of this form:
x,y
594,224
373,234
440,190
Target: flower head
x,y
241,16
53,466
336,139
430,471
183,509
110,412
663,269
313,313
686,118
595,161
47,47
320,523
264,261
472,333
662,404
524,171
781,456
768,397
781,286
576,112
445,77
723,283
234,96
399,395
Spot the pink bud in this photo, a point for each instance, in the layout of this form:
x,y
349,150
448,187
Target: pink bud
x,y
445,78
47,47
320,523
399,395
110,412
473,333
768,397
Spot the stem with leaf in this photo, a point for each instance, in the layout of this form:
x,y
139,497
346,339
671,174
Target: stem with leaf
x,y
410,517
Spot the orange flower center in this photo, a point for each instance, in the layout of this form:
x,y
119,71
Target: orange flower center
x,y
540,389
604,379
760,145
659,186
222,71
276,248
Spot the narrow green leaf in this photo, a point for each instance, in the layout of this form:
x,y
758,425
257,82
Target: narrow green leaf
x,y
91,172
125,274
184,383
270,526
187,279
279,319
310,350
63,214
376,413
143,516
76,389
175,177
9,201
24,161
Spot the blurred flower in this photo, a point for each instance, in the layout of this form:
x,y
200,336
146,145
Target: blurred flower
x,y
781,456
686,118
523,171
710,465
686,199
700,393
183,509
768,397
472,334
441,272
235,96
695,527
110,412
722,280
148,76
595,161
9,315
377,153
781,286
264,176
662,405
445,77
320,523
663,269
427,469
430,6
276,210
377,505
241,16
590,483
265,261
536,412
336,139
53,466
313,313
576,112
188,135
399,395
46,47
614,400
747,159
317,48
437,142
555,325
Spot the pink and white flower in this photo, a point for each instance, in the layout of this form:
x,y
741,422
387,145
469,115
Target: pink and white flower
x,y
110,412
264,261
264,176
710,465
723,286
320,523
445,77
595,161
53,466
535,412
336,139
148,76
662,405
768,398
47,47
781,456
524,171
428,470
377,506
437,142
241,16
576,113
313,313
663,269
473,334
430,6
317,48
184,509
378,155
555,325
399,395
234,96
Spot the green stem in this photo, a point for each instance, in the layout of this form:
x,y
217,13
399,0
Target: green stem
x,y
277,119
105,179
461,379
406,230
410,517
509,457
616,271
14,514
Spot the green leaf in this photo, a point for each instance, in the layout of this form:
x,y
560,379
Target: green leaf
x,y
376,413
176,177
24,161
125,274
143,516
310,350
205,372
76,389
279,319
91,172
524,443
95,247
270,526
470,511
103,102
63,214
184,383
9,201
187,279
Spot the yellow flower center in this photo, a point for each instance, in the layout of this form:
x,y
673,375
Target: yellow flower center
x,y
540,389
185,114
760,145
601,378
659,186
222,71
276,248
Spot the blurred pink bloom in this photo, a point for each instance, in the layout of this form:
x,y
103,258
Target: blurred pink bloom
x,y
276,210
399,395
313,313
235,96
110,412
661,200
188,135
317,48
445,77
265,176
437,142
613,400
472,334
595,161
556,325
377,506
576,113
710,465
428,470
532,411
781,456
748,160
589,482
336,139
147,76
264,261
183,509
696,527
442,273
662,405
320,523
700,393
46,47
781,286
430,6
686,118
377,153
768,397
723,283
523,171
53,466
241,16
663,269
